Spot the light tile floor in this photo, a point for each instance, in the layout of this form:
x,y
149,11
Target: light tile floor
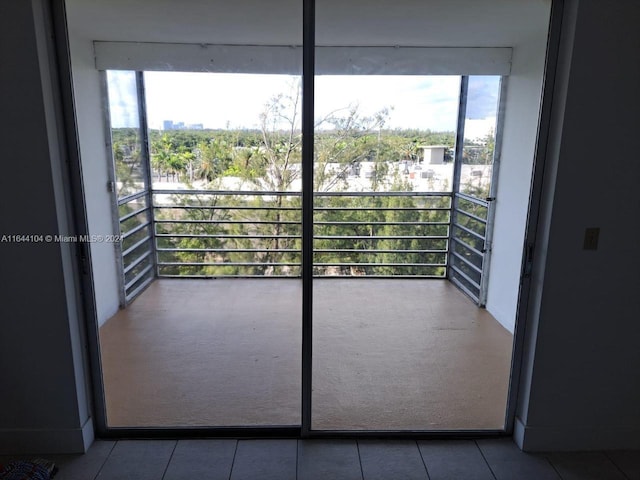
x,y
337,460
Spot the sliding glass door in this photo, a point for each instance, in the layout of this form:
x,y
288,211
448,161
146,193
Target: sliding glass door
x,y
303,203
207,184
396,347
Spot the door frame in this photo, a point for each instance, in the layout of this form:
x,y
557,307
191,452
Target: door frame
x,y
88,296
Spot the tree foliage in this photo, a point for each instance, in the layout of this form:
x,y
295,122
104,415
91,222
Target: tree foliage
x,y
249,234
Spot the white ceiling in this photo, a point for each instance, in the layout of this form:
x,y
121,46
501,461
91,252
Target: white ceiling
x,y
435,23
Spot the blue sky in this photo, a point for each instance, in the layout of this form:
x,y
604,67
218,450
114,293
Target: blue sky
x,y
236,100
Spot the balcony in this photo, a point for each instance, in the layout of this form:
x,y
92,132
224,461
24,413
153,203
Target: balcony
x,y
213,337
388,355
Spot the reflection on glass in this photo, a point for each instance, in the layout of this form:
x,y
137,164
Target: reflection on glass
x,y
126,137
479,135
134,214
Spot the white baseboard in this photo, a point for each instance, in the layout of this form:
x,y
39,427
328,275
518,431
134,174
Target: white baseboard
x,y
43,441
547,439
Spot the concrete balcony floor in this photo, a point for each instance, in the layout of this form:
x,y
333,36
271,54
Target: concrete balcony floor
x,y
388,355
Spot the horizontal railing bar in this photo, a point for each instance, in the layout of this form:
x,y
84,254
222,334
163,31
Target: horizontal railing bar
x,y
226,192
192,204
136,262
378,209
135,246
227,264
297,277
195,235
291,209
231,222
457,255
224,207
136,229
471,215
356,264
379,276
368,251
229,250
466,290
297,194
465,276
382,223
466,245
469,198
138,289
133,214
293,250
469,231
137,278
131,197
381,237
382,194
216,276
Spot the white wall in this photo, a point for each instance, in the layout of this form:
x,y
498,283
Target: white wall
x,y
522,110
581,385
95,168
43,393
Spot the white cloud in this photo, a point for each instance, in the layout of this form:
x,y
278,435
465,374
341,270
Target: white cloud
x,y
237,100
478,128
417,102
216,100
123,99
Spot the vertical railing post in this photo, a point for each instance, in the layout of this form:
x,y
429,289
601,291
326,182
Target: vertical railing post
x,y
493,188
146,162
457,164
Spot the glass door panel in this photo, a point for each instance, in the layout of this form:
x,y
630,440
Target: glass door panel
x,y
215,339
392,339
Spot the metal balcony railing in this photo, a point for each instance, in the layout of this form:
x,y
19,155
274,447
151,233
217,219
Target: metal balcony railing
x,y
204,233
381,234
469,230
135,224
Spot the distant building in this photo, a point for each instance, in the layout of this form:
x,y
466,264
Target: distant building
x,y
434,154
171,125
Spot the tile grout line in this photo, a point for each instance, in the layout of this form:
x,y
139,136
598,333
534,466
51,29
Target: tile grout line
x,y
105,460
233,460
608,457
359,459
485,459
422,458
297,455
553,466
170,458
